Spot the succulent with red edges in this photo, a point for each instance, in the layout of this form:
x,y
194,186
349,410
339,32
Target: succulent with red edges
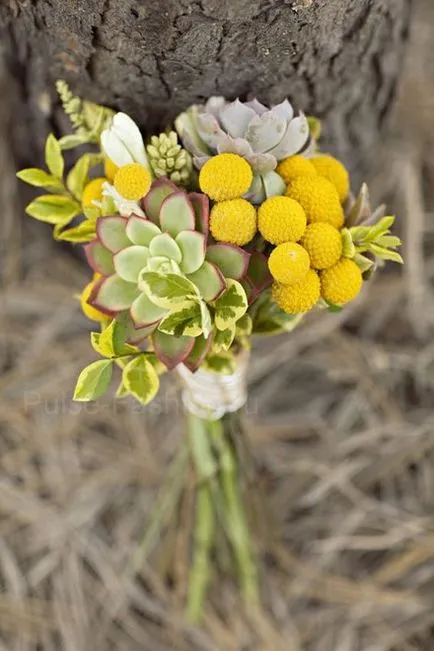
x,y
160,275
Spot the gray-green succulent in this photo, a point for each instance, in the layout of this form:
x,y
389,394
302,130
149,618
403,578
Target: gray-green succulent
x,y
263,136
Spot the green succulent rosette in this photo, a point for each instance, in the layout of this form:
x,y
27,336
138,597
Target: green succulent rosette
x,y
160,276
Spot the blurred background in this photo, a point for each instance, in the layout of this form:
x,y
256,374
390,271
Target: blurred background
x,y
340,420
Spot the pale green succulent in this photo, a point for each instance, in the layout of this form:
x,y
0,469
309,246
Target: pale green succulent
x,y
159,274
261,135
169,159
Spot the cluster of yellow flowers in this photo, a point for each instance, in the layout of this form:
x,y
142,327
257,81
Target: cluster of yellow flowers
x,y
304,225
307,263
225,178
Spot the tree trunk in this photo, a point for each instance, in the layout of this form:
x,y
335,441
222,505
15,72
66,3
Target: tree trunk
x,y
339,59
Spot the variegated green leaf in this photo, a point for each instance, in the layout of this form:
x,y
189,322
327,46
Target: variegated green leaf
x,y
223,338
77,177
169,291
54,157
185,321
40,179
231,305
222,363
54,209
84,232
140,379
93,380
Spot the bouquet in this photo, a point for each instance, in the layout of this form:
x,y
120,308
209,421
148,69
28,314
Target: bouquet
x,y
229,224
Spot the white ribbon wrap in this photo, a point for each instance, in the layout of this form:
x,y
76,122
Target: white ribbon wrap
x,y
210,395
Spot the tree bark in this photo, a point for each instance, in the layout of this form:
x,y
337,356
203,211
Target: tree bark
x,y
338,59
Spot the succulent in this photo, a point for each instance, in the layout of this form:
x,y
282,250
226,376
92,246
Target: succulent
x,y
261,135
162,279
168,158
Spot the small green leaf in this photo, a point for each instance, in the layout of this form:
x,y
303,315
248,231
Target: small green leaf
x,y
77,177
348,248
93,380
185,321
168,291
122,391
91,212
380,228
53,157
53,209
223,338
244,326
222,363
112,340
140,379
84,232
40,179
231,305
73,140
385,254
364,263
388,241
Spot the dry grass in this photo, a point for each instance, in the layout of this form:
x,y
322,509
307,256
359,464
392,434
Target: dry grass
x,y
341,424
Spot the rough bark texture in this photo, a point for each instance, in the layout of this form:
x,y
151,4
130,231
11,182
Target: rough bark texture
x,y
337,58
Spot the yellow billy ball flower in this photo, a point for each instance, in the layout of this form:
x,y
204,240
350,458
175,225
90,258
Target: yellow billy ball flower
x,y
233,221
335,172
110,169
294,166
341,283
319,199
300,297
89,311
323,242
281,219
225,176
289,263
132,181
93,191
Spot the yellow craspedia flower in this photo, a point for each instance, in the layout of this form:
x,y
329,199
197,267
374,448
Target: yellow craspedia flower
x,y
89,311
110,169
335,172
294,166
225,176
281,219
323,242
300,297
341,283
132,181
289,263
93,191
233,221
319,199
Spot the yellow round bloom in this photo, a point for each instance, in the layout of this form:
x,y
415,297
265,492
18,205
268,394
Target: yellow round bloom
x,y
93,191
335,172
89,311
132,181
294,166
289,263
281,219
233,221
319,199
300,297
110,169
341,283
323,242
225,176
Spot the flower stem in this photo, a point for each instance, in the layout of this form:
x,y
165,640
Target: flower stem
x,y
234,514
205,468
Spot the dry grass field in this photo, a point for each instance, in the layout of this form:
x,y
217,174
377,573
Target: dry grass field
x,y
340,420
